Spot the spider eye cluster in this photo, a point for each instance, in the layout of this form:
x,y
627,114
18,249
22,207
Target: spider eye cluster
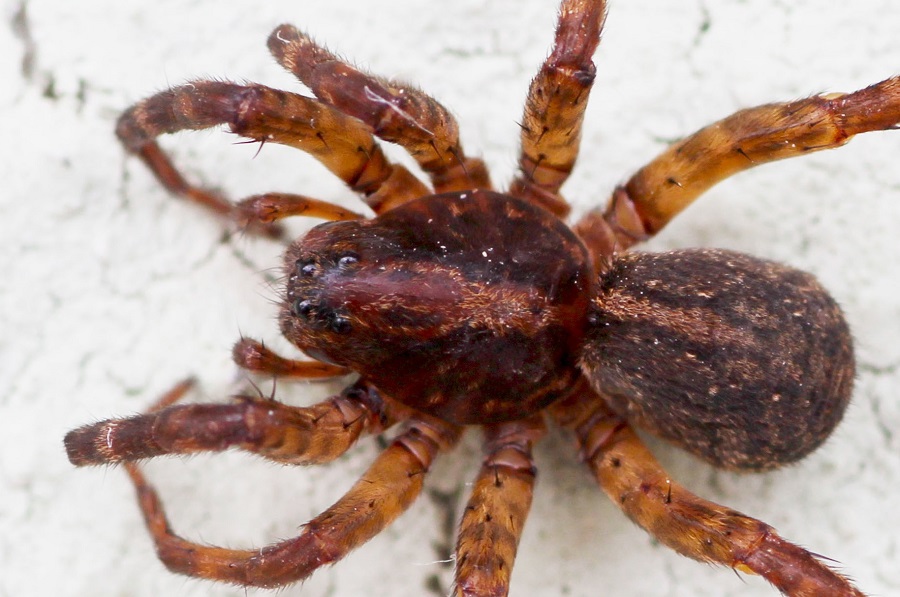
x,y
321,316
310,267
308,303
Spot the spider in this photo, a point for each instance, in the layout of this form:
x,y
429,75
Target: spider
x,y
461,306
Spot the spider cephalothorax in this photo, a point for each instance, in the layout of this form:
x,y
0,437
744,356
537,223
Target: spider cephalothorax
x,y
459,306
485,323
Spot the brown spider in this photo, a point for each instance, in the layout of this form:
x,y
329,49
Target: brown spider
x,y
459,306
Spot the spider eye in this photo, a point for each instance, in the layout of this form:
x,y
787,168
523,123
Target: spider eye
x,y
307,268
302,307
348,259
340,325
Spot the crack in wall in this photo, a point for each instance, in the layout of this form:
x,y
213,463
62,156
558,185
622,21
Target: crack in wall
x,y
29,66
22,30
447,504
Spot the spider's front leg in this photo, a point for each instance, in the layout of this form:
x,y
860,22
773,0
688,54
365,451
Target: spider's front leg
x,y
673,180
340,142
694,527
294,435
393,111
285,434
383,492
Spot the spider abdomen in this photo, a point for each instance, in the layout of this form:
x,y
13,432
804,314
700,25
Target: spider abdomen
x,y
744,362
469,306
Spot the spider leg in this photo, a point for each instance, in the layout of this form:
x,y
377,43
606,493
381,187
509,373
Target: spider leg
x,y
270,207
395,112
673,180
340,142
495,515
694,527
554,109
253,355
383,492
294,435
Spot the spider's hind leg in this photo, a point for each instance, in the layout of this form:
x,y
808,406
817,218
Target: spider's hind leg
x,y
674,179
690,525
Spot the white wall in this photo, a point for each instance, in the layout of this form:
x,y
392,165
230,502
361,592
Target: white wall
x,y
112,291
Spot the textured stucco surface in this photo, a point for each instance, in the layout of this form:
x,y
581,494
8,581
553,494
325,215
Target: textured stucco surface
x,y
112,291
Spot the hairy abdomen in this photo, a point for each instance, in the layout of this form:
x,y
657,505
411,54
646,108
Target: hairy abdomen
x,y
744,362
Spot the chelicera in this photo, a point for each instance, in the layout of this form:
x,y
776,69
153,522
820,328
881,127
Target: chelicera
x,y
460,306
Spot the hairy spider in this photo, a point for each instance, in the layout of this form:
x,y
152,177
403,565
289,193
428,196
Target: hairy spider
x,y
458,305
